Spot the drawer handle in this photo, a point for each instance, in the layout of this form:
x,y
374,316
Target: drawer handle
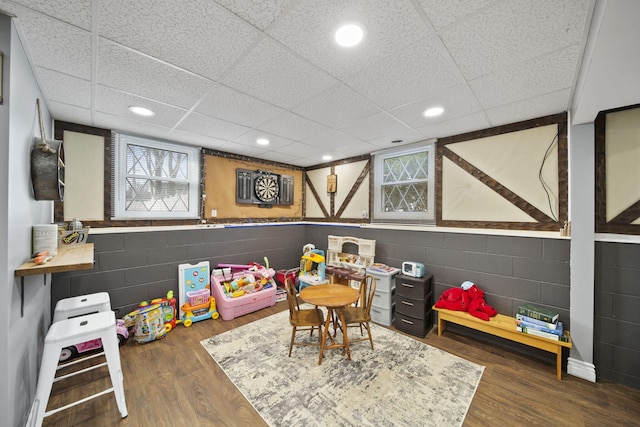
x,y
407,321
375,311
407,285
407,303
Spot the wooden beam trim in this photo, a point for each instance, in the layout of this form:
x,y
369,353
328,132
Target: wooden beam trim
x,y
363,174
509,195
628,215
316,195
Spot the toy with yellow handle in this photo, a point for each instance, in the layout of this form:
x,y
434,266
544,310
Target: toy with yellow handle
x,y
199,312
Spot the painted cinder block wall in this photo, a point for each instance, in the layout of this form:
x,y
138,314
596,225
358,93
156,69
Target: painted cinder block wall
x,y
617,312
137,266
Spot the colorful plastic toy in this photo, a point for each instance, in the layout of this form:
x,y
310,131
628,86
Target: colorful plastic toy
x,y
195,313
73,350
168,308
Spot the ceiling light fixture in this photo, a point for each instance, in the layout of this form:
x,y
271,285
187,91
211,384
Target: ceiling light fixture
x,y
326,157
349,35
141,111
433,112
262,141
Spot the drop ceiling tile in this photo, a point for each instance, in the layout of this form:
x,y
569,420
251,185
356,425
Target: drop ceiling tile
x,y
456,101
197,140
529,79
293,126
63,88
514,31
117,103
457,126
442,13
250,137
202,37
132,72
376,126
408,136
208,126
415,72
244,150
228,104
56,45
309,27
75,12
338,106
354,150
551,103
259,13
120,124
332,139
275,75
278,157
70,113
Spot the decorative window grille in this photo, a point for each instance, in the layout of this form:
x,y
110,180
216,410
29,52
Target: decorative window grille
x,y
155,179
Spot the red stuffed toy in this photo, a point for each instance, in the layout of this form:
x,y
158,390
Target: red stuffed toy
x,y
469,298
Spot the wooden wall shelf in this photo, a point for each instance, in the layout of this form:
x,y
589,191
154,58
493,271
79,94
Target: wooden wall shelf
x,y
70,258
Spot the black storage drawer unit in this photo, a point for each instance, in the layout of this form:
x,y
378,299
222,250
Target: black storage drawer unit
x,y
411,307
411,325
413,301
413,287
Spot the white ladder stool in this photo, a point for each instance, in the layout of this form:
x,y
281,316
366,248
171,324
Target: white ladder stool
x,y
72,331
80,305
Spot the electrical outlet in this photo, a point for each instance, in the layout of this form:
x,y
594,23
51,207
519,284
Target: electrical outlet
x,y
214,213
365,214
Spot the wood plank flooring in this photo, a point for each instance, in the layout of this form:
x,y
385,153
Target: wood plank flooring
x,y
174,382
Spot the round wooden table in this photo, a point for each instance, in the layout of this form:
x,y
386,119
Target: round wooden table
x,y
334,297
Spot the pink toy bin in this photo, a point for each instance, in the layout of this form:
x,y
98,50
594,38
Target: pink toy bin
x,y
230,308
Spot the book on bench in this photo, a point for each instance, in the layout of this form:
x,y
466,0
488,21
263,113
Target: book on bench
x,y
538,312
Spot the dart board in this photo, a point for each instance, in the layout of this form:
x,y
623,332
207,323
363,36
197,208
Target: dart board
x,y
267,188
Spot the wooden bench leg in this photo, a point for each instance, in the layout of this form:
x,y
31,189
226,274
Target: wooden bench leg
x,y
559,362
441,324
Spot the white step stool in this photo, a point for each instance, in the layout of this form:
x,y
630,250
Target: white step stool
x,y
68,332
80,305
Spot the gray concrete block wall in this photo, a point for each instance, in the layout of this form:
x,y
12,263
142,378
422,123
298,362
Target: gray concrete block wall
x,y
511,270
140,266
617,314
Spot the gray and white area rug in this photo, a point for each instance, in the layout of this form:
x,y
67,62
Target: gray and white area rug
x,y
403,382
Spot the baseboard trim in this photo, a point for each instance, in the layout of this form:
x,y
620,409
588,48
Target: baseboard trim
x,y
580,369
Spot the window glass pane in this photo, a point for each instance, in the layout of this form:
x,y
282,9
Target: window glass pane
x,y
147,195
405,198
409,167
148,161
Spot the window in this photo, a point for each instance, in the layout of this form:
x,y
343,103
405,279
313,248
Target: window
x,y
154,179
404,184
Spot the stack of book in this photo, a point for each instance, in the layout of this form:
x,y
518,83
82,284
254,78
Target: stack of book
x,y
540,321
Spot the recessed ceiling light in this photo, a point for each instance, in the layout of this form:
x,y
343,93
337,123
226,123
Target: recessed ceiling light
x,y
432,112
326,157
349,35
263,141
141,111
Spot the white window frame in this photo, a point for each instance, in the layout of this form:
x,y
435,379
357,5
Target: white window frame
x,y
379,158
121,141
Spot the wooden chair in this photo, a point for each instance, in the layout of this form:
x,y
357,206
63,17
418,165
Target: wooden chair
x,y
302,319
360,314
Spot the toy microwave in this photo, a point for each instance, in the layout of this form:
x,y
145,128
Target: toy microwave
x,y
413,269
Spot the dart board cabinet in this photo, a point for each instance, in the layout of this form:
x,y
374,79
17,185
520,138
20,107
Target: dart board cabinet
x,y
263,188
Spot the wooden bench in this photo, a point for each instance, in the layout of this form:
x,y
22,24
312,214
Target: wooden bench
x,y
503,327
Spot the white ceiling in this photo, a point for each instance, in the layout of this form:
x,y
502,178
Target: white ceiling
x,y
220,74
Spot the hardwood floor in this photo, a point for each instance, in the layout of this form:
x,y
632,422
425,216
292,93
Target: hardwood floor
x,y
174,382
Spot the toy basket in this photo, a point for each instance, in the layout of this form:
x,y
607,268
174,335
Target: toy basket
x,y
198,297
